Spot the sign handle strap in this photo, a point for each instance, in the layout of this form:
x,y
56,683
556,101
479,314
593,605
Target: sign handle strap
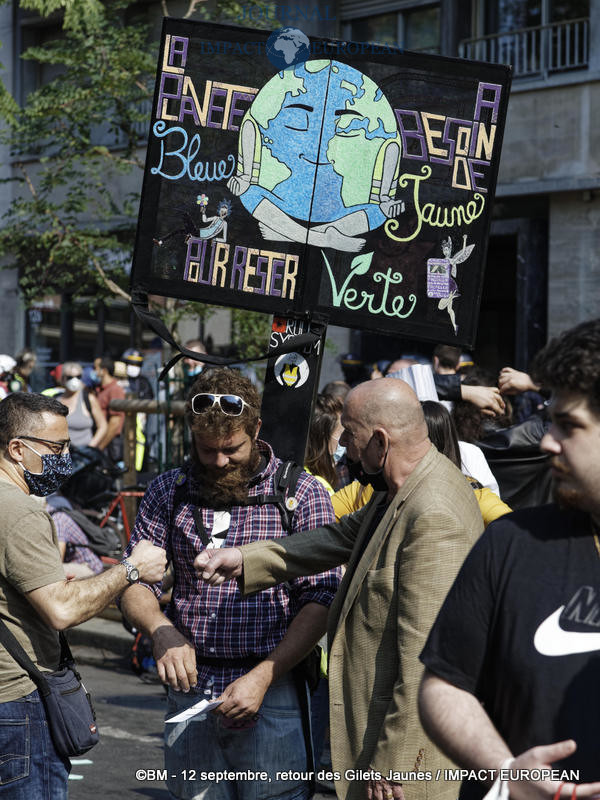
x,y
139,304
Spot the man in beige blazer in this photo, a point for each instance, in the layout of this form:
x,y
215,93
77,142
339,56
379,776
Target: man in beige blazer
x,y
403,551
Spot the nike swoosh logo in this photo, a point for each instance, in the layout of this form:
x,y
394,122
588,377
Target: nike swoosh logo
x,y
551,640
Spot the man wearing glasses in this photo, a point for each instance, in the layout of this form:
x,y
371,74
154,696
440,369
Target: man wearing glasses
x,y
214,644
35,599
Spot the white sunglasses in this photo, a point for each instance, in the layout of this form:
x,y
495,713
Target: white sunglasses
x,y
230,404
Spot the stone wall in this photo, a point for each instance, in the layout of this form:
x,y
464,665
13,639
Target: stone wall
x,y
552,135
573,260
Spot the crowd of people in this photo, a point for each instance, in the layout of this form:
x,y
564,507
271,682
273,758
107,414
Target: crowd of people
x,y
418,549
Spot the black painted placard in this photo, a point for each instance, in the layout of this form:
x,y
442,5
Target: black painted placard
x,y
357,183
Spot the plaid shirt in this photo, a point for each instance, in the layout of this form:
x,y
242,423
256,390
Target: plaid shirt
x,y
216,619
78,551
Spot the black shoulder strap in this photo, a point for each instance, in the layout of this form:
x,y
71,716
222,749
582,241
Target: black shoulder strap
x,y
286,477
474,483
86,400
15,649
180,496
88,405
285,481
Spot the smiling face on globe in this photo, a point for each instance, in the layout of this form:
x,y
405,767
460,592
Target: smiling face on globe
x,y
287,46
324,128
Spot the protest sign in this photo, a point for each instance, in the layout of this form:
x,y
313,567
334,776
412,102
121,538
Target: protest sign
x,y
292,175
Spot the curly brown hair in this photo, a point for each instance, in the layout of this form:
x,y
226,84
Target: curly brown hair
x,y
571,362
214,421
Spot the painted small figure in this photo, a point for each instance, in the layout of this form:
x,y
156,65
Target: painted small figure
x,y
448,265
216,226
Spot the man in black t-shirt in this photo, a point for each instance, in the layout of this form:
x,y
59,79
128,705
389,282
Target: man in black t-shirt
x,y
513,660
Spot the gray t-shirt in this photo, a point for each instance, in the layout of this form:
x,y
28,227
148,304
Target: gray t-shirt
x,y
29,559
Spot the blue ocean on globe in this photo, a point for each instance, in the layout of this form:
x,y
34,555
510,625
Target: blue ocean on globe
x,y
324,127
287,46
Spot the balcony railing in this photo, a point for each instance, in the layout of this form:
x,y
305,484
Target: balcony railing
x,y
534,52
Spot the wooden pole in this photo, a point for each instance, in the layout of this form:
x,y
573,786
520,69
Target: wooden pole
x,y
129,445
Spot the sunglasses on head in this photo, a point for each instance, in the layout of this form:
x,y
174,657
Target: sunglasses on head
x,y
230,404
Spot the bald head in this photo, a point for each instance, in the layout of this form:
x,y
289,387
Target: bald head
x,y
389,403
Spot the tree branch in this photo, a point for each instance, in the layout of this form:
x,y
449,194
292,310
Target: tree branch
x,y
57,220
108,282
133,162
142,87
28,181
191,8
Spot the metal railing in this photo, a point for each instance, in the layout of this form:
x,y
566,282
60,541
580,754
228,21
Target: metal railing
x,y
534,52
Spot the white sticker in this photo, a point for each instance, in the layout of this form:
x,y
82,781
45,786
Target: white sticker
x,y
221,520
291,369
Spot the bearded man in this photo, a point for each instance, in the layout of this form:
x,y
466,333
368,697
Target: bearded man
x,y
512,661
212,643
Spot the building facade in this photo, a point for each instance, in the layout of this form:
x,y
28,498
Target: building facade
x,y
543,266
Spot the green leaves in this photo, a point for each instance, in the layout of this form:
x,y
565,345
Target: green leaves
x,y
73,142
77,154
250,332
77,14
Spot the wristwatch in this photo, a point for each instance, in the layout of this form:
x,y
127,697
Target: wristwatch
x,y
133,573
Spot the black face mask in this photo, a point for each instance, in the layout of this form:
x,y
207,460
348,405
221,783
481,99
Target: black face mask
x,y
376,479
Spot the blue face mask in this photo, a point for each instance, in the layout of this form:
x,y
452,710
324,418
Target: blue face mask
x,y
194,371
340,452
55,471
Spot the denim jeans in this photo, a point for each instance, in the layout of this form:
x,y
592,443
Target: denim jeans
x,y
30,767
203,744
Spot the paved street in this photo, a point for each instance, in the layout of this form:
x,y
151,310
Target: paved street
x,y
130,717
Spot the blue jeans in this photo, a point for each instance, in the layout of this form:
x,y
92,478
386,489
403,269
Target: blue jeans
x,y
203,744
30,767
